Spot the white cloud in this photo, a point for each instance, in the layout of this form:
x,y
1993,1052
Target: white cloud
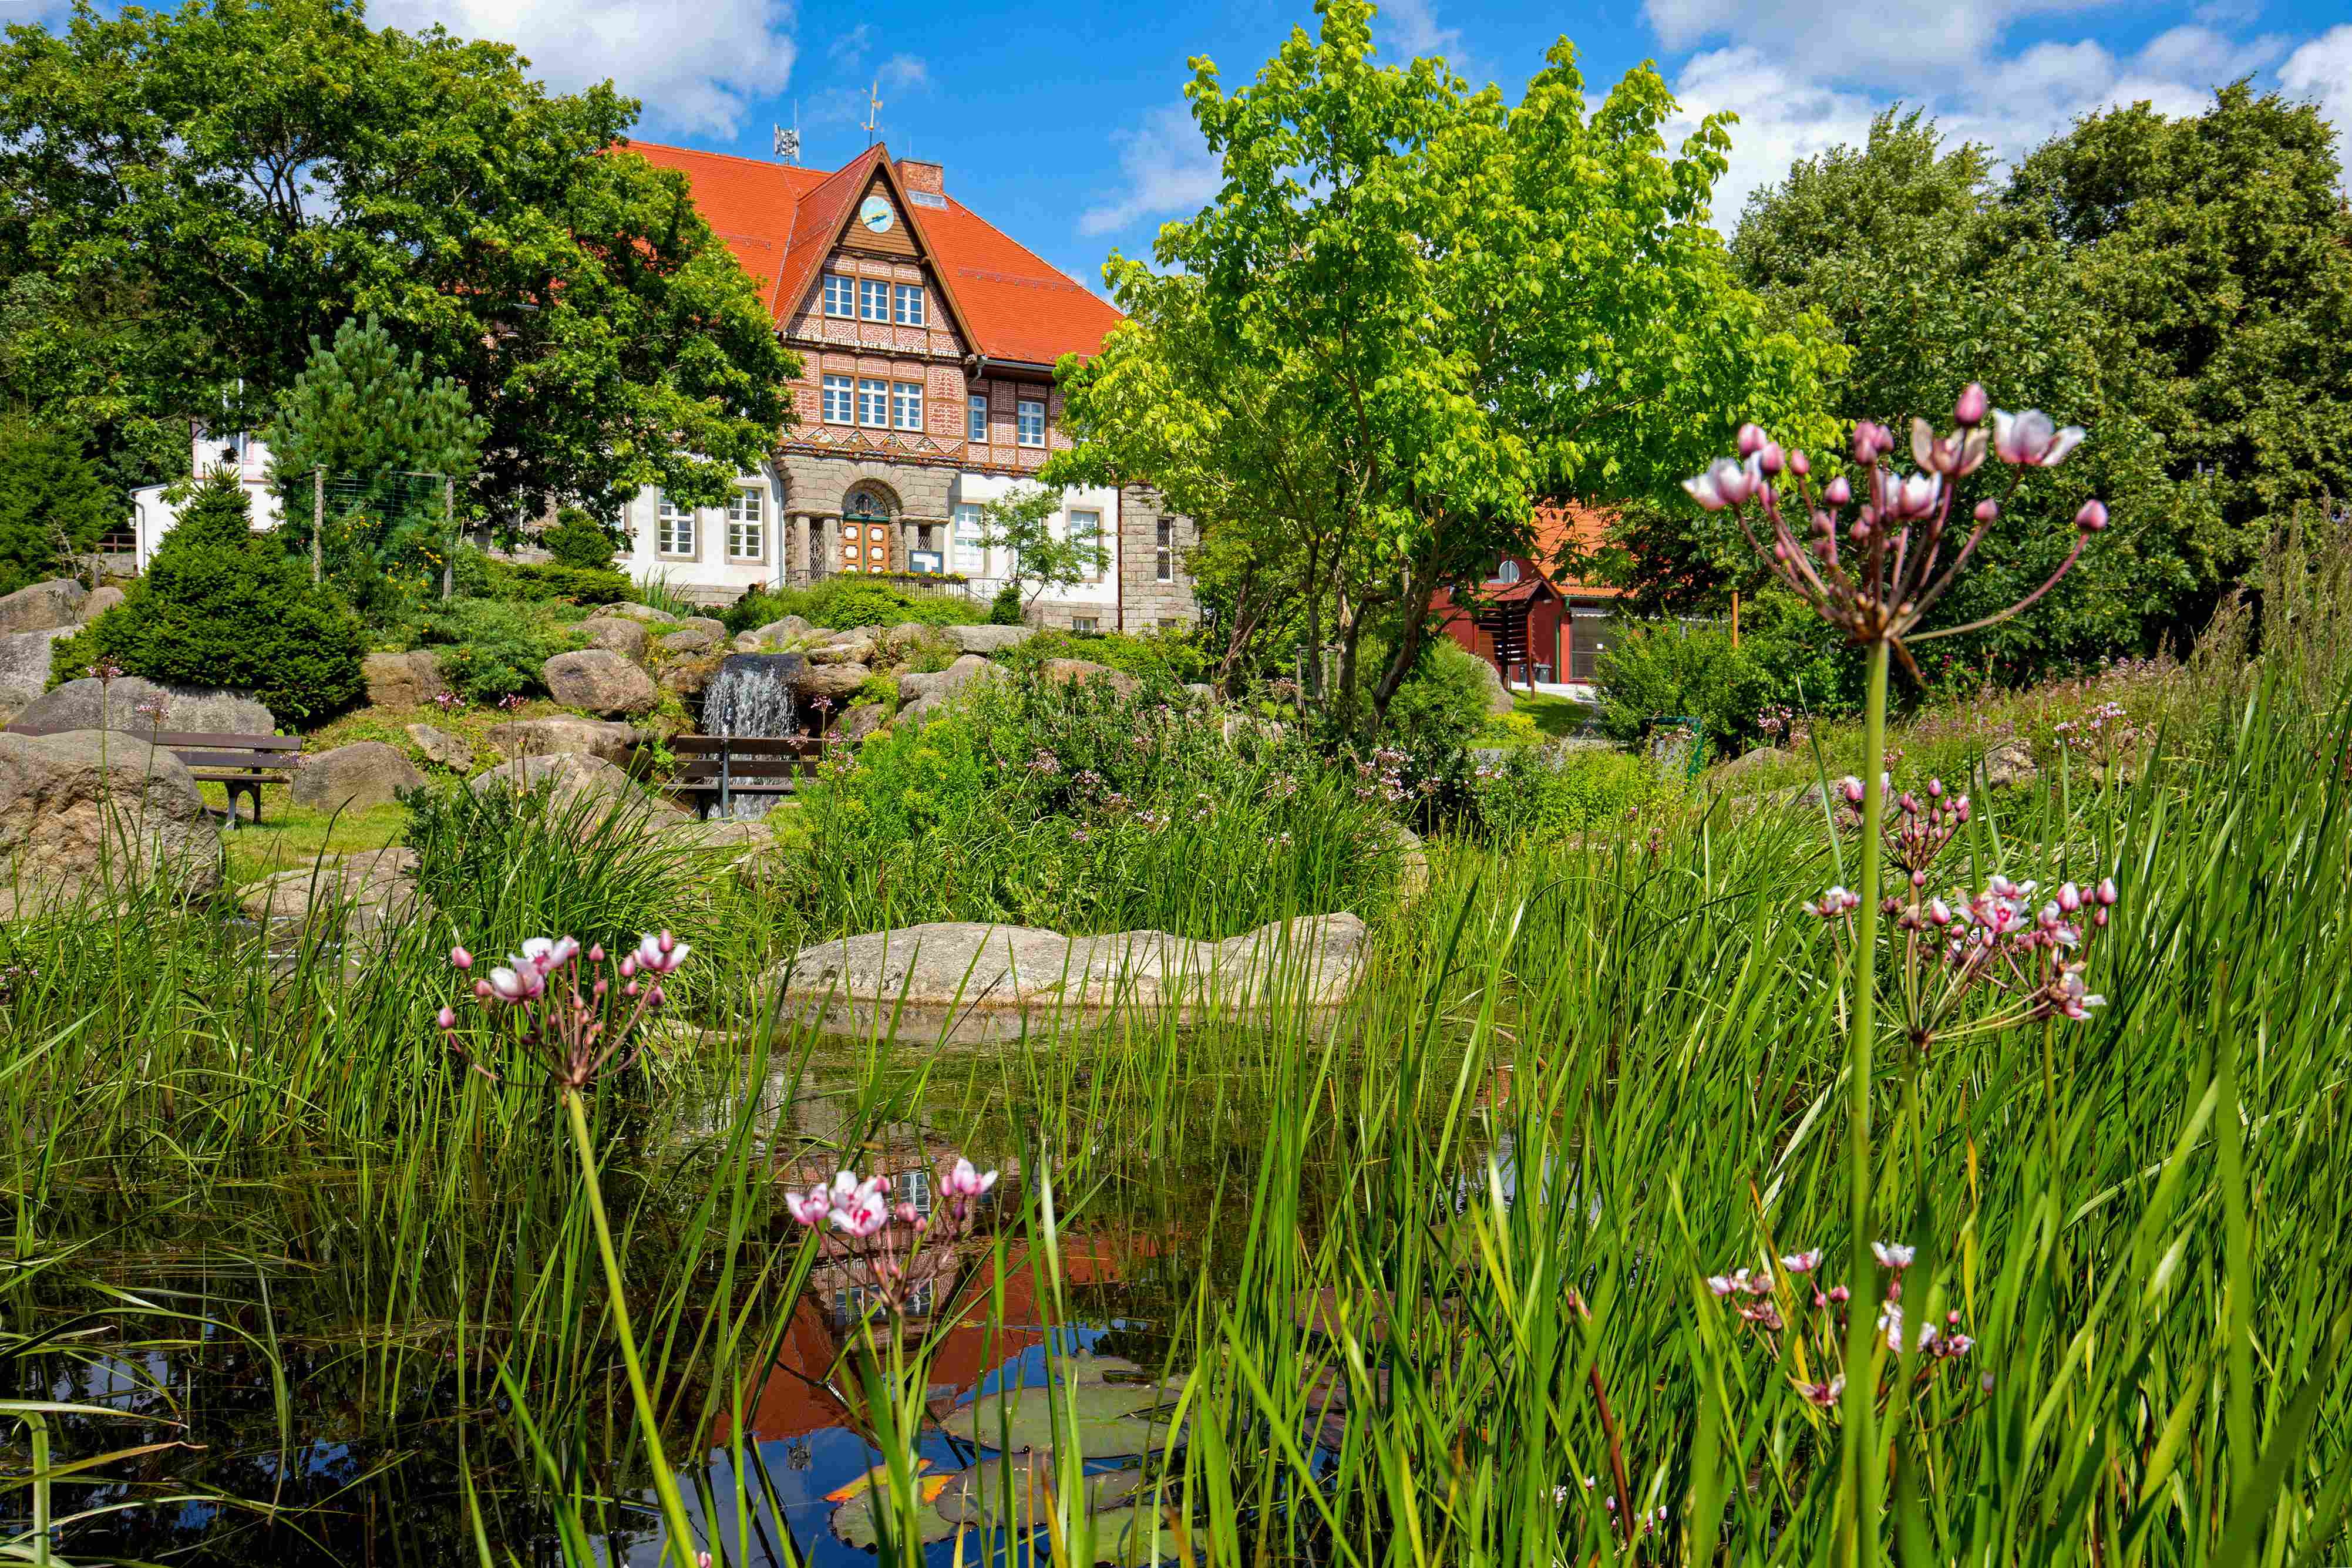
x,y
1930,44
1168,170
2011,103
907,72
695,75
1409,28
850,46
2321,71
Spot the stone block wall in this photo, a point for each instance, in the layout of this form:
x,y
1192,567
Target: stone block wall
x,y
1149,602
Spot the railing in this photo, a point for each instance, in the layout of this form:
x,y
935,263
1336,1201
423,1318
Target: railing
x,y
947,584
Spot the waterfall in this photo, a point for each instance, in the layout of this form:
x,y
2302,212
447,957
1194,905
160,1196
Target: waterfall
x,y
751,696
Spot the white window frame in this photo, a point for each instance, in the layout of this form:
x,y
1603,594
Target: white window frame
x,y
971,551
908,307
840,295
747,520
975,417
907,406
1092,532
845,412
1090,623
873,300
1163,553
1024,411
671,522
879,391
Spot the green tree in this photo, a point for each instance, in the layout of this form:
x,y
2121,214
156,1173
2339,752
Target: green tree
x,y
1435,309
1022,521
256,171
53,503
219,605
378,427
579,541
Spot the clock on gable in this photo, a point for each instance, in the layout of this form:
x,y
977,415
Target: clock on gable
x,y
875,215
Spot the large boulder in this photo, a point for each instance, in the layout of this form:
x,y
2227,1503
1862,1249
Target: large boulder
x,y
710,624
987,639
637,612
780,631
947,682
955,982
599,681
688,677
43,605
93,704
357,777
1083,672
689,640
570,777
92,813
442,749
626,638
565,735
100,600
25,668
364,894
860,721
846,648
834,682
1747,765
1498,695
403,680
2009,764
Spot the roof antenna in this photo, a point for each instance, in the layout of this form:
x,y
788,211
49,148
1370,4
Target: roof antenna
x,y
873,110
788,143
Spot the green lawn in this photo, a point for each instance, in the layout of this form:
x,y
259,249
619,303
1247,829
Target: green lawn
x,y
1554,716
288,835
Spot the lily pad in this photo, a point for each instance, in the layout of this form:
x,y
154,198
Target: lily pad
x,y
1103,1420
1140,1534
853,1519
1030,1482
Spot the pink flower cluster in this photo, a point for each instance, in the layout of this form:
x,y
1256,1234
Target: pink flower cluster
x,y
890,1249
1878,575
578,1030
1815,1347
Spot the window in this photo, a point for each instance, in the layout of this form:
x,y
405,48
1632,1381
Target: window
x,y
673,529
1086,528
1031,421
910,304
971,554
1506,571
1163,553
837,407
747,526
873,300
975,417
1086,623
874,402
907,406
837,294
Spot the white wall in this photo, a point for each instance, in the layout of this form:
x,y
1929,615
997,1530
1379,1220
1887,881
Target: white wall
x,y
247,456
710,567
1083,598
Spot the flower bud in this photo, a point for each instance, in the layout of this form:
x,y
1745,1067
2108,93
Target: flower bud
x,y
1840,1294
1851,787
461,958
1752,440
1771,459
1986,510
481,988
2070,898
596,953
1837,492
446,1019
1972,407
1798,463
2092,518
2105,891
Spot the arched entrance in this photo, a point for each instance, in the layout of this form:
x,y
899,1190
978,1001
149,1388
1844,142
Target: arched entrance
x,y
867,533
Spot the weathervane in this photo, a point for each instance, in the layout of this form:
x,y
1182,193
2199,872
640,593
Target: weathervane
x,y
873,110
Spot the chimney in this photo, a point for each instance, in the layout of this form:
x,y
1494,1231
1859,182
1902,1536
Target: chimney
x,y
926,183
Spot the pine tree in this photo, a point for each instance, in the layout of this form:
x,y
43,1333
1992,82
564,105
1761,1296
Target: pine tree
x,y
374,424
220,605
53,502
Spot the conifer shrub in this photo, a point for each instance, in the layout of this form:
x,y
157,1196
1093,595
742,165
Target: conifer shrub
x,y
579,542
220,606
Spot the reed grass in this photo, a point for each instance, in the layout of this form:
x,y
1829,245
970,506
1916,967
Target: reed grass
x,y
1423,1268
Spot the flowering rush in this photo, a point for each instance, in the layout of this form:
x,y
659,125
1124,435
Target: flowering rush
x,y
1878,572
1803,1320
573,1016
890,1249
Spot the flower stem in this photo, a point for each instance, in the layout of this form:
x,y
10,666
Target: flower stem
x,y
1864,1478
680,1528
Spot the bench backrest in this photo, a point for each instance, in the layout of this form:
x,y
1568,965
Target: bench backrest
x,y
202,748
748,760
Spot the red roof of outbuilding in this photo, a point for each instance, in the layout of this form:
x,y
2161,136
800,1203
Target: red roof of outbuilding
x,y
781,222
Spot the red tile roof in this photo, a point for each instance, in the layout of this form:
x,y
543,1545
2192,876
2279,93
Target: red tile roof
x,y
781,222
1571,524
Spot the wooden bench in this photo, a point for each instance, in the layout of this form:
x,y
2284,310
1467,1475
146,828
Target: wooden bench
x,y
241,764
718,768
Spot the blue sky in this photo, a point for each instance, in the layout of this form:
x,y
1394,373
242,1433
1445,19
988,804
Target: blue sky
x,y
1065,125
